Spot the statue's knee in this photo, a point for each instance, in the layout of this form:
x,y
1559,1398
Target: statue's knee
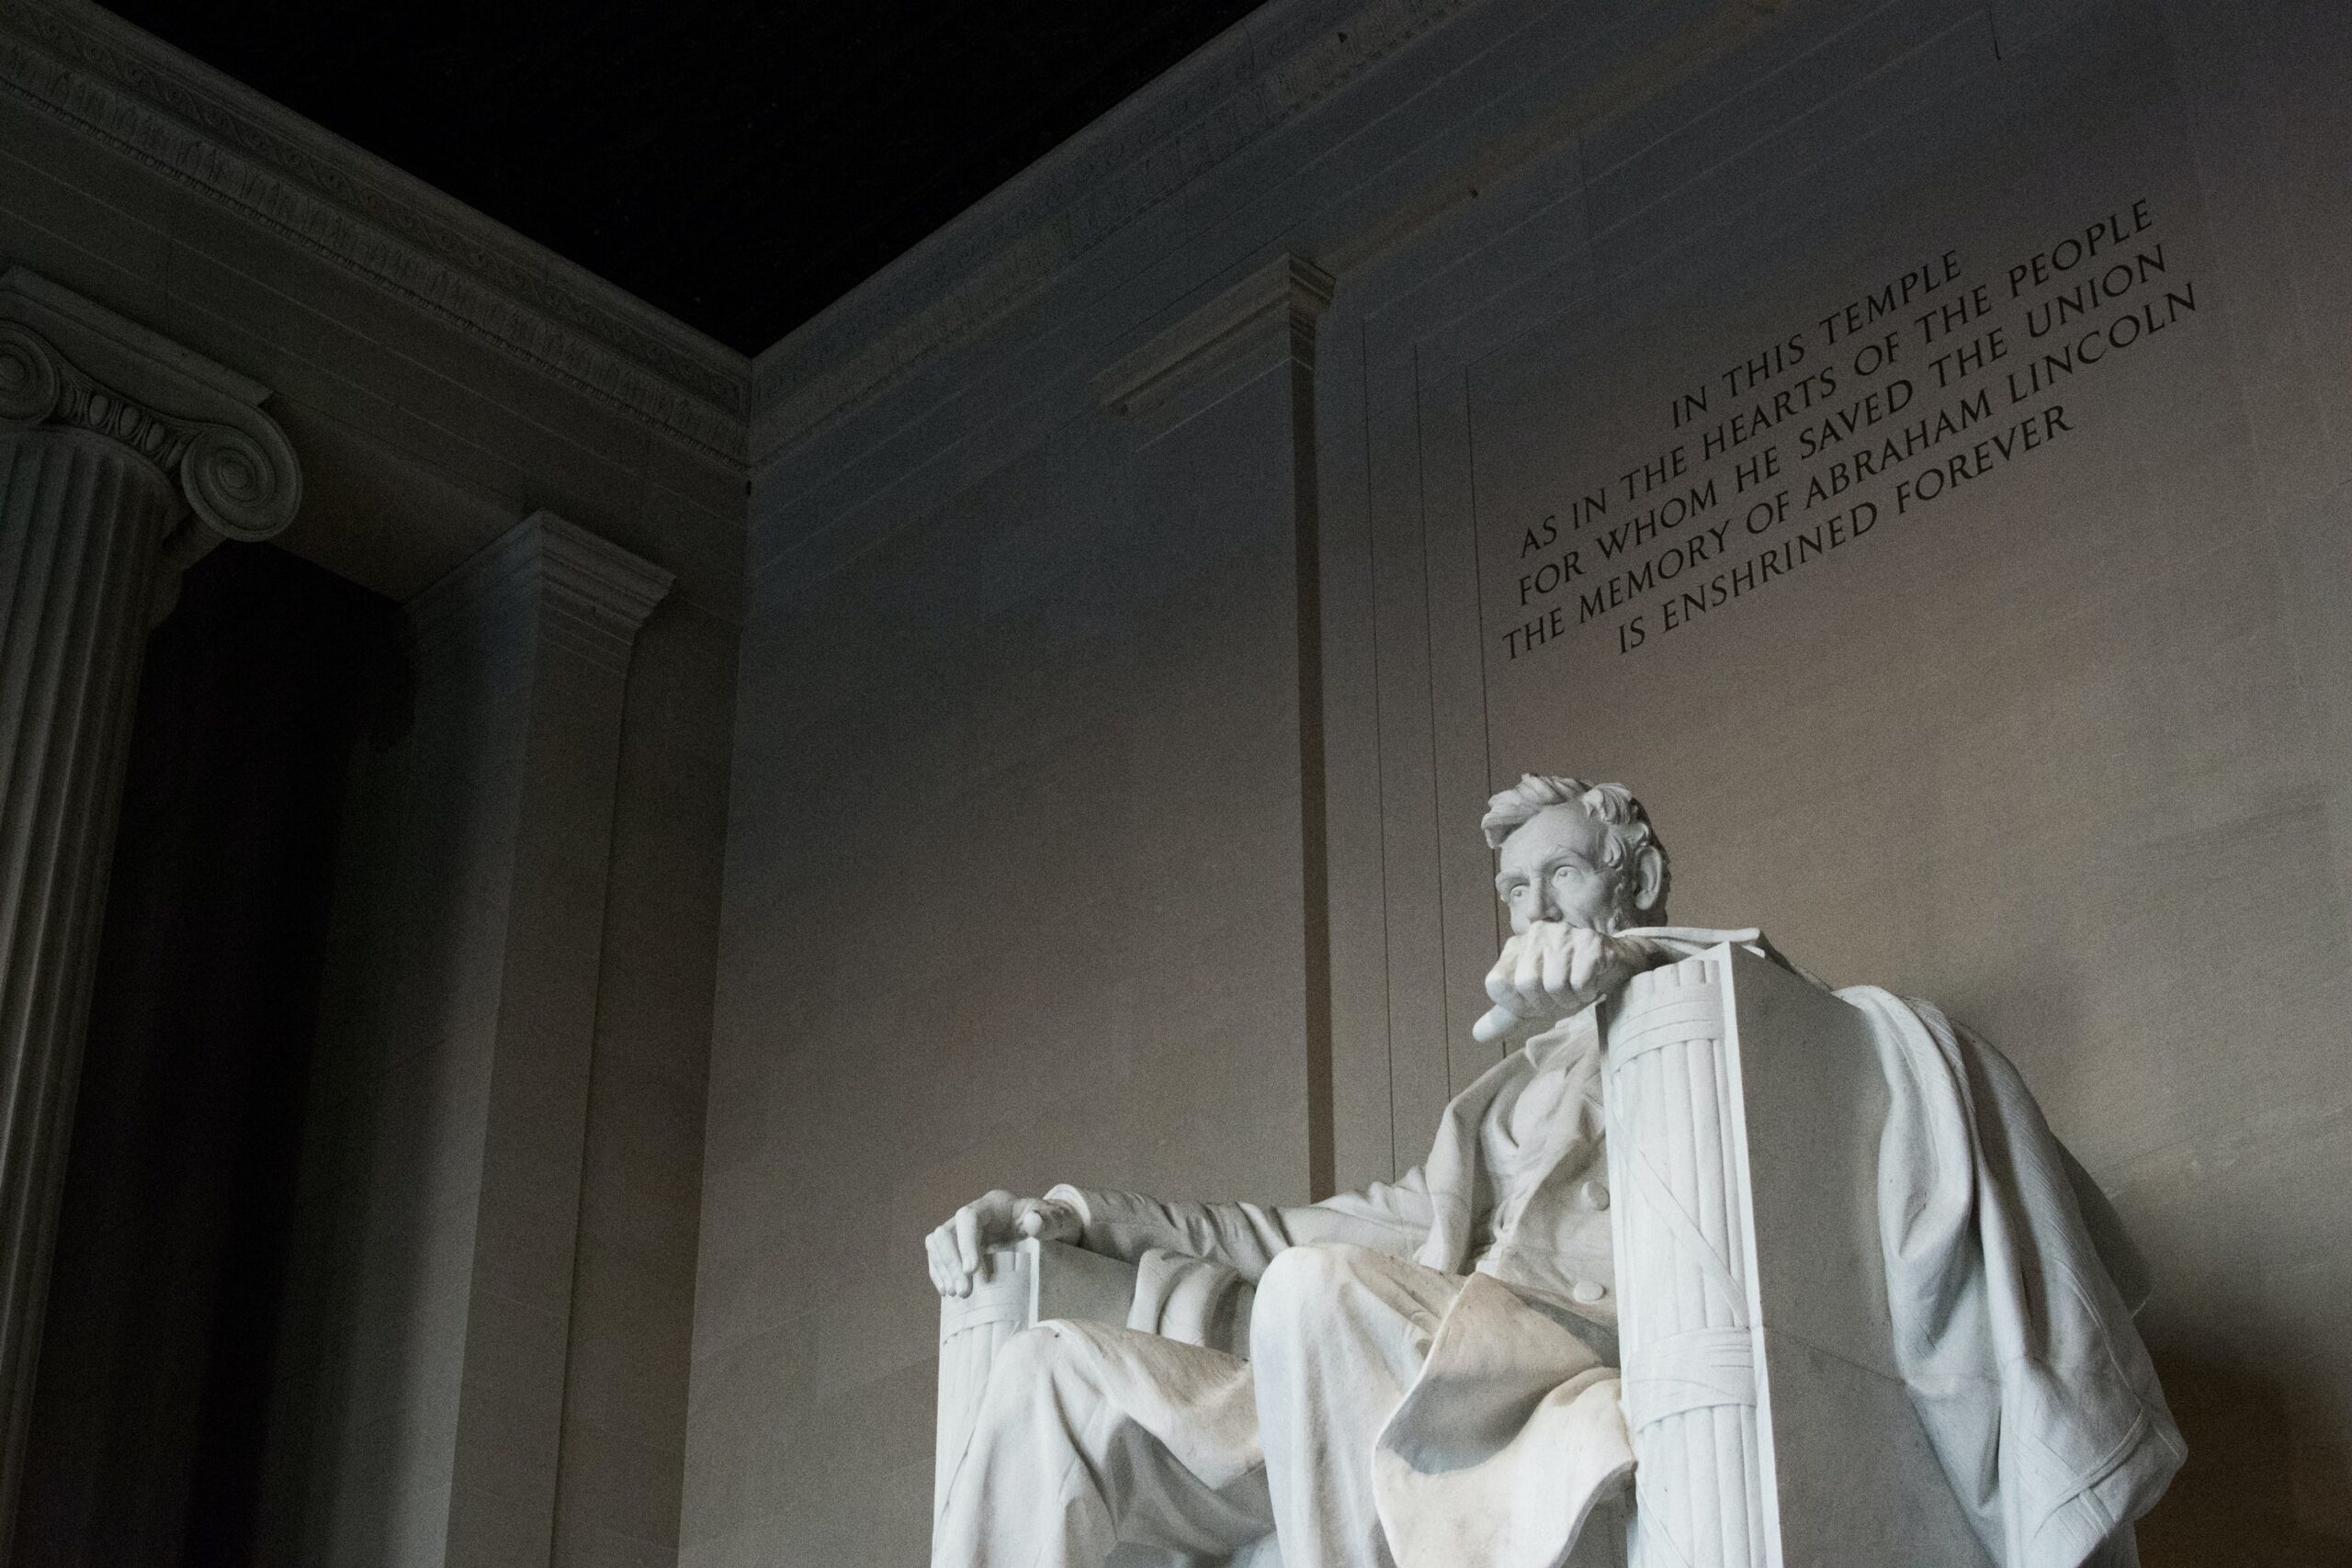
x,y
1299,1288
1030,1360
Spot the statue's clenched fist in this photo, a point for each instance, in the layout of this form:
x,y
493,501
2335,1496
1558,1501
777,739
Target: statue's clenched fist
x,y
994,1219
1551,970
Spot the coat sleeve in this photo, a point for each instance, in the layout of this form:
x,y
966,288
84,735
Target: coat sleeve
x,y
1389,1217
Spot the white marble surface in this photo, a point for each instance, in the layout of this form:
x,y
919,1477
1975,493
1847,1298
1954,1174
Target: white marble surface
x,y
1506,1211
2074,768
1816,1214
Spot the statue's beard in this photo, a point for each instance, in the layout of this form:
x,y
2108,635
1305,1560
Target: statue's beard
x,y
1621,915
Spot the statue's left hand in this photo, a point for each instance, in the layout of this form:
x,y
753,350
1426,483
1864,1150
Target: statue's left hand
x,y
1551,970
993,1219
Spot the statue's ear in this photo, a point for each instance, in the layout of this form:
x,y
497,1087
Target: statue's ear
x,y
1649,878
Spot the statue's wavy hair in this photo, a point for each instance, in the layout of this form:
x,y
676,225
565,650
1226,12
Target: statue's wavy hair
x,y
1610,805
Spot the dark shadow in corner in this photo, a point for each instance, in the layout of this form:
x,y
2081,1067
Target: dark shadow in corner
x,y
2233,1504
151,1405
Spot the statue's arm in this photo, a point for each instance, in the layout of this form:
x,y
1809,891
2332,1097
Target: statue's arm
x,y
1387,1216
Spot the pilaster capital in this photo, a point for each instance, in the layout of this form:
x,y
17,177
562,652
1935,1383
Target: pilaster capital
x,y
68,363
589,596
595,579
1274,309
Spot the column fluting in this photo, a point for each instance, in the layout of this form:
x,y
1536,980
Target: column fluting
x,y
122,458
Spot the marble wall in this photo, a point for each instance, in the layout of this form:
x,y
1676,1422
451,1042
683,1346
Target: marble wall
x,y
486,1345
622,1440
1107,765
1145,585
1015,789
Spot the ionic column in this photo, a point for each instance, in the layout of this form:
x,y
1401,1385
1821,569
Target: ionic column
x,y
122,458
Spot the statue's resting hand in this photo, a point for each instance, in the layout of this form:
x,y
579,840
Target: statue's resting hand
x,y
993,1219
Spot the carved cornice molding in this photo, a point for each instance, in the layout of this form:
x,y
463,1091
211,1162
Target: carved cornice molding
x,y
1001,254
66,362
1284,297
137,94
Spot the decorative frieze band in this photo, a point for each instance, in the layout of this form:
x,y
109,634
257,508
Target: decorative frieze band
x,y
75,63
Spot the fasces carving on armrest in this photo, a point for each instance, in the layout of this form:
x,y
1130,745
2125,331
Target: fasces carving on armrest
x,y
1771,1426
1685,1322
1018,1287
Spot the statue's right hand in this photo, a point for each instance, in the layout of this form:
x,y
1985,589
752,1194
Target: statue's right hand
x,y
993,1219
1551,970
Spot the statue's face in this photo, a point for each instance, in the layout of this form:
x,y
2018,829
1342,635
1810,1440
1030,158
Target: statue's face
x,y
1550,869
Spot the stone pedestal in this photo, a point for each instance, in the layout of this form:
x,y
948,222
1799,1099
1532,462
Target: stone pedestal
x,y
122,458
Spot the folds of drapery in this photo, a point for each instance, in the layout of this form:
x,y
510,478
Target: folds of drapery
x,y
2009,1280
2012,1289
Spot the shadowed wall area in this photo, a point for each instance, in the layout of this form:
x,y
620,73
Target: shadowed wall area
x,y
164,1311
462,1333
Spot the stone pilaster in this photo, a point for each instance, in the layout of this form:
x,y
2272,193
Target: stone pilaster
x,y
580,602
122,458
1221,407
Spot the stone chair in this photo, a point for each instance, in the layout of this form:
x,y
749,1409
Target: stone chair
x,y
1023,1285
1771,1427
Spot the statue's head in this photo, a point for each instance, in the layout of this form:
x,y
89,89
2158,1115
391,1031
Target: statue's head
x,y
1579,854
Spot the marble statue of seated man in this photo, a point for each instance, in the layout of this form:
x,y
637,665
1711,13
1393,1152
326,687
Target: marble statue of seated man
x,y
1430,1377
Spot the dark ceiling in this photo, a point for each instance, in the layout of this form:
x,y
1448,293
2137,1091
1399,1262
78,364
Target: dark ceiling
x,y
741,164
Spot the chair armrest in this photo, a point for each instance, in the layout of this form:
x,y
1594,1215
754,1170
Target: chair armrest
x,y
1018,1287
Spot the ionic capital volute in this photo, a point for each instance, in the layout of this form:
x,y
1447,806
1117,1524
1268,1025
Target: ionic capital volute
x,y
67,363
